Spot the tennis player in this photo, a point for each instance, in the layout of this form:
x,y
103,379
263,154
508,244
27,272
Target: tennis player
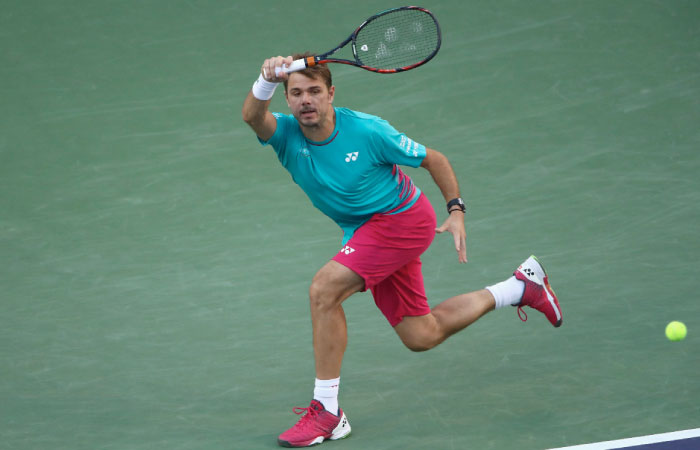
x,y
348,163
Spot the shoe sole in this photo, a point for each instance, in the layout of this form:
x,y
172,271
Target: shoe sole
x,y
550,291
313,443
341,431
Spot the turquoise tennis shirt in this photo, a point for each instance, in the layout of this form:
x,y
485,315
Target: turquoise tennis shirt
x,y
353,174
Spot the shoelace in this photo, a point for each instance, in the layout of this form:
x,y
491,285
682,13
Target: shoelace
x,y
308,413
521,310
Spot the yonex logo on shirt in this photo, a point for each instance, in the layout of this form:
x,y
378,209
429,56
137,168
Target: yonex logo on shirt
x,y
347,250
352,156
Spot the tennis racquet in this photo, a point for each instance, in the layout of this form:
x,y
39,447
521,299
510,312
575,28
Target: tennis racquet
x,y
392,41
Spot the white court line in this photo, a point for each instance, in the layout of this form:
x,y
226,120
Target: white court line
x,y
652,439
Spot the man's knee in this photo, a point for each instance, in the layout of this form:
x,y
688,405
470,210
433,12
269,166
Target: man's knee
x,y
418,346
331,285
420,343
419,334
321,293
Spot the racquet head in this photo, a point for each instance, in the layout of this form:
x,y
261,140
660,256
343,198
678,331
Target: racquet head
x,y
397,40
391,41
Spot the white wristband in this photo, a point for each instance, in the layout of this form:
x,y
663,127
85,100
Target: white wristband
x,y
263,89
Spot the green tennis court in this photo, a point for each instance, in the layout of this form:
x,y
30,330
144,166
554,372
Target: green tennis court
x,y
155,259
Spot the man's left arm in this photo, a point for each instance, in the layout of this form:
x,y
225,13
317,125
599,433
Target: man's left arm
x,y
444,176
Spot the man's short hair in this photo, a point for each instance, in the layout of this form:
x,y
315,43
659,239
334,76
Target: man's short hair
x,y
319,71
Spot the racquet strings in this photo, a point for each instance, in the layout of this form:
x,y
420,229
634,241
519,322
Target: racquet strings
x,y
397,39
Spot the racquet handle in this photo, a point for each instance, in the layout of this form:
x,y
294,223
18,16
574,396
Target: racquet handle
x,y
299,64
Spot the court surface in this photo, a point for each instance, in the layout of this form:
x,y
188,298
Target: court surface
x,y
155,259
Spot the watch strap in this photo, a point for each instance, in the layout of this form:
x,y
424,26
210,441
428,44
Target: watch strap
x,y
456,202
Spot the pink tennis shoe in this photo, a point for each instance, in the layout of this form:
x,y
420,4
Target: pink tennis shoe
x,y
538,293
315,426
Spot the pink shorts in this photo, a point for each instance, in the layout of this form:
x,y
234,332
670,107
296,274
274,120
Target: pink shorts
x,y
385,252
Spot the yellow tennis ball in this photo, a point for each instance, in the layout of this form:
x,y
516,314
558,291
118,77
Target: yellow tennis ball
x,y
676,331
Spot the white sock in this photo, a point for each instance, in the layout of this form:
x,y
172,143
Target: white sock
x,y
508,292
326,392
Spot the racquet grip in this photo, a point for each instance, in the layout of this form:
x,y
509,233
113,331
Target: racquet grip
x,y
295,66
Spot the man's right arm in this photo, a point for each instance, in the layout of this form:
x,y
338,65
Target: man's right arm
x,y
255,110
258,117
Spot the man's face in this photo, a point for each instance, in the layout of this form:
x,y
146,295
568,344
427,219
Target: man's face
x,y
309,100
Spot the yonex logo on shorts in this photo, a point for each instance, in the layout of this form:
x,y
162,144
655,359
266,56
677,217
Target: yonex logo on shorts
x,y
347,250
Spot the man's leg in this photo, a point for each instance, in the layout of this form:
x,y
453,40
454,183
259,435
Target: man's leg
x,y
529,286
323,419
330,287
420,333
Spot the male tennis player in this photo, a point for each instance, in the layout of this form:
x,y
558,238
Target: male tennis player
x,y
348,163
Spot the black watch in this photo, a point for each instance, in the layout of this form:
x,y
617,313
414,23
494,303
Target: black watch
x,y
456,202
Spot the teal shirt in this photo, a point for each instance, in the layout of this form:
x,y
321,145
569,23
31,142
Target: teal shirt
x,y
353,174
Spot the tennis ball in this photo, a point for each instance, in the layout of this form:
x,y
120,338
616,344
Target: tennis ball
x,y
676,331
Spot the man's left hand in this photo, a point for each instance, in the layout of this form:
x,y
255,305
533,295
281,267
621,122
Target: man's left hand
x,y
455,225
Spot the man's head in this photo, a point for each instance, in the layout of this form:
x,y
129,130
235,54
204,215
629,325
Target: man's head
x,y
310,93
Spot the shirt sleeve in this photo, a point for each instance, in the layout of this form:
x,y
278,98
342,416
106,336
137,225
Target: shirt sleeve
x,y
394,147
278,141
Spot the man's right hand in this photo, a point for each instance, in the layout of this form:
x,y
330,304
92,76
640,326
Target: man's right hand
x,y
268,69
